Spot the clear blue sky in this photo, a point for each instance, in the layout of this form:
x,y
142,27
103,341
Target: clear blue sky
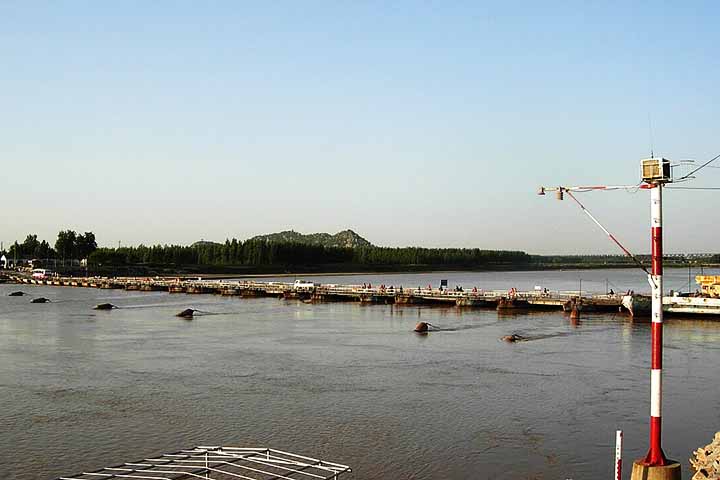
x,y
413,123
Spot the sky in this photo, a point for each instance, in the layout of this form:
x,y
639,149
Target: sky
x,y
413,123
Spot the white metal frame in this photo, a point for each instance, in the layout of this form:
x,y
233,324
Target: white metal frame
x,y
221,463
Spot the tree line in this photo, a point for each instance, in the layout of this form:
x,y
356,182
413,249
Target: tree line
x,y
69,246
263,253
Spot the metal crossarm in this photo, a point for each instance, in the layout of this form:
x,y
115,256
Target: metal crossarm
x,y
221,463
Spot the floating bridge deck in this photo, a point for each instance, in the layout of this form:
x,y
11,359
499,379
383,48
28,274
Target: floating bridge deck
x,y
497,299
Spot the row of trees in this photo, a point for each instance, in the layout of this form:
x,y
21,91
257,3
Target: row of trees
x,y
263,253
287,254
71,245
68,246
258,252
31,248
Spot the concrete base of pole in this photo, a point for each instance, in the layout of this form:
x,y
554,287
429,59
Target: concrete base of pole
x,y
670,471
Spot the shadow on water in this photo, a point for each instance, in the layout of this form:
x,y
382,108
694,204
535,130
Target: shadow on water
x,y
459,328
152,305
516,336
530,338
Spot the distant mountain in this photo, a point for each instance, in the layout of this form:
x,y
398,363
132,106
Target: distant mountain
x,y
345,239
204,243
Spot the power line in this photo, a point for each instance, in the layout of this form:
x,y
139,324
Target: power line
x,y
694,188
700,167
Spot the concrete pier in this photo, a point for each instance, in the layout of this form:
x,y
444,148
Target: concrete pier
x,y
672,471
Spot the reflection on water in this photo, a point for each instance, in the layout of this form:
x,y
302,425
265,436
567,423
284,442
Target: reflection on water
x,y
352,383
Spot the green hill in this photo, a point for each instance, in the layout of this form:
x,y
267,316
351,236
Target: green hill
x,y
344,239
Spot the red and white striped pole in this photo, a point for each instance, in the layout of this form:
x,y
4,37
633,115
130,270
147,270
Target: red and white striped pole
x,y
618,455
655,456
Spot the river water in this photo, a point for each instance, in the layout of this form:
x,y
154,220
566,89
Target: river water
x,y
82,389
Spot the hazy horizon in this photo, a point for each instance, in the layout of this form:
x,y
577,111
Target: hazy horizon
x,y
412,124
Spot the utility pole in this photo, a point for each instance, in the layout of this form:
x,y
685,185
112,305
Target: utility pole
x,y
655,174
655,456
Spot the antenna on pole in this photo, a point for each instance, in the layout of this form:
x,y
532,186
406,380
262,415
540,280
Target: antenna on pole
x,y
650,132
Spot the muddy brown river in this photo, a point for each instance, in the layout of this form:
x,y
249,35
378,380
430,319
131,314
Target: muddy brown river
x,y
81,389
